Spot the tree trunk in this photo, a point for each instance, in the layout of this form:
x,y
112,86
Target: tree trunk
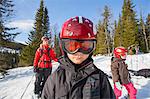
x,y
146,41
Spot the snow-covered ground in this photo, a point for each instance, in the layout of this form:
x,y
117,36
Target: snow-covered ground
x,y
19,83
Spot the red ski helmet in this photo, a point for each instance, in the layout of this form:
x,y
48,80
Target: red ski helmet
x,y
120,52
78,28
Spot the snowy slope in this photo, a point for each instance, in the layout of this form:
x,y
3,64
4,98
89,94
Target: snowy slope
x,y
19,83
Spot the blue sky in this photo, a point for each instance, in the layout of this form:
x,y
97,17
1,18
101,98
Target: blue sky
x,y
60,10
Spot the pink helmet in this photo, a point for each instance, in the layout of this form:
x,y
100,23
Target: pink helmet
x,y
78,28
120,52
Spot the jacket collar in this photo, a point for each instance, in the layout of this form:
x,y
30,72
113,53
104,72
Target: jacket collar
x,y
113,60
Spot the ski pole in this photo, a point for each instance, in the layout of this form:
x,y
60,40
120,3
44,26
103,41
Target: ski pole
x,y
26,87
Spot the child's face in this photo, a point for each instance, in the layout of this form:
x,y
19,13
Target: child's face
x,y
78,57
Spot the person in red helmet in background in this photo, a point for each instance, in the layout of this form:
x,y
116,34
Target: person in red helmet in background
x,y
77,77
42,65
120,73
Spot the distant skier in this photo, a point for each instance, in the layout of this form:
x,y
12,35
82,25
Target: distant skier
x,y
77,77
43,65
120,73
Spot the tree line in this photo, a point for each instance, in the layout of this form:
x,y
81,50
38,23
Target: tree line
x,y
127,31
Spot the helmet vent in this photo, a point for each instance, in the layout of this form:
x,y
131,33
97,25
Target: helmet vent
x,y
80,19
118,50
87,21
74,19
67,32
71,33
69,25
89,34
90,25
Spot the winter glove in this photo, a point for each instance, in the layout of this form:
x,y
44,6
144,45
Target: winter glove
x,y
131,90
35,70
117,89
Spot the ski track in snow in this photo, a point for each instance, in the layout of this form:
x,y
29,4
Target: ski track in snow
x,y
14,84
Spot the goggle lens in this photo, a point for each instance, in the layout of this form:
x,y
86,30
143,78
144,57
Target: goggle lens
x,y
123,55
73,46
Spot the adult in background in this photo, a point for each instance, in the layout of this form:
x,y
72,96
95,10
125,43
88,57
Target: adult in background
x,y
43,65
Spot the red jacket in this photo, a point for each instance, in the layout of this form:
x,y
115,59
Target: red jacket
x,y
43,57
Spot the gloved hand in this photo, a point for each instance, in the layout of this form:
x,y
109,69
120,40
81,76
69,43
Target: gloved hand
x,y
117,89
35,70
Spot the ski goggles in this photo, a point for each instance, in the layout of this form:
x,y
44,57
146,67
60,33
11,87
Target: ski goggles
x,y
73,46
123,55
45,39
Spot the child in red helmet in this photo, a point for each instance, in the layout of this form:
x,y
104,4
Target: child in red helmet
x,y
120,73
77,77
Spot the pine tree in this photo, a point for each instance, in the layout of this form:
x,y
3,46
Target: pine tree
x,y
6,12
27,54
7,34
31,37
1,33
113,34
129,24
38,25
56,46
106,22
148,30
140,35
56,41
118,33
41,28
101,45
46,25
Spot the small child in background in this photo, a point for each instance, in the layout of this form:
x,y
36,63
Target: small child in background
x,y
120,73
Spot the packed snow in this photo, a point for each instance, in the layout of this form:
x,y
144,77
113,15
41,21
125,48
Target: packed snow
x,y
19,83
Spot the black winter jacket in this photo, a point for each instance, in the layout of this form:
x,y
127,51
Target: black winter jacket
x,y
87,82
